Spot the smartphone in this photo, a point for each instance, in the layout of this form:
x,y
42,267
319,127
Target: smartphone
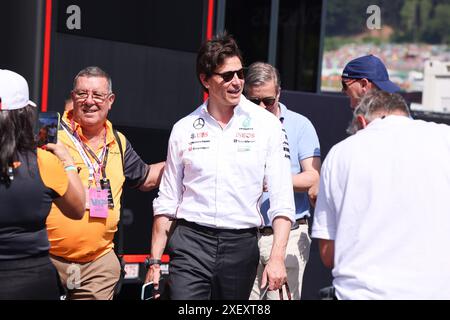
x,y
147,292
47,128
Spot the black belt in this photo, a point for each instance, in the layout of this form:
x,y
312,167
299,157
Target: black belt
x,y
216,231
268,231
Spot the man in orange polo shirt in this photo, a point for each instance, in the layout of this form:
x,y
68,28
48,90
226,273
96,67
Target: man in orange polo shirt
x,y
83,251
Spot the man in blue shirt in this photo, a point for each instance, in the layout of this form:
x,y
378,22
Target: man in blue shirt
x,y
262,86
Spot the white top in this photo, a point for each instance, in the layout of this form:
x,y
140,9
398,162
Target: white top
x,y
385,200
214,176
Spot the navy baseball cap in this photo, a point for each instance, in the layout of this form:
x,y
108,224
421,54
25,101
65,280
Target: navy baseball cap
x,y
370,68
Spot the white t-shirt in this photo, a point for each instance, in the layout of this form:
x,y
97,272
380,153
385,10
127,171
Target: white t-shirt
x,y
385,200
214,176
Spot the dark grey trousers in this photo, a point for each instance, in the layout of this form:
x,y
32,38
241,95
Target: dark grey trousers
x,y
208,263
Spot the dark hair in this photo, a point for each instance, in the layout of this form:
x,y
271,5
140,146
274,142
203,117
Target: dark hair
x,y
16,136
213,52
93,71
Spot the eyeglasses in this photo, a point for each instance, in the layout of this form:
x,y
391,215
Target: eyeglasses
x,y
268,101
96,96
347,84
229,75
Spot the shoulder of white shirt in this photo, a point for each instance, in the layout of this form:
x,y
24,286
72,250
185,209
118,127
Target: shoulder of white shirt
x,y
245,105
258,112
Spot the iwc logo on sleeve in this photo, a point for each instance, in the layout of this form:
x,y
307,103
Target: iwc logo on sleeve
x,y
199,123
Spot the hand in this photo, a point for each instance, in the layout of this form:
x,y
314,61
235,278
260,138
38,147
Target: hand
x,y
275,274
61,152
154,274
265,186
312,194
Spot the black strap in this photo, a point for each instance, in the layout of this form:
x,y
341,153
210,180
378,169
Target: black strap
x,y
116,135
118,237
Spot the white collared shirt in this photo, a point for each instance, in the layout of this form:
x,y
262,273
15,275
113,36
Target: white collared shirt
x,y
384,200
214,176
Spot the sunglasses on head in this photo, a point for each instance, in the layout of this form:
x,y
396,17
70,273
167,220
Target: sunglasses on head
x,y
268,101
229,75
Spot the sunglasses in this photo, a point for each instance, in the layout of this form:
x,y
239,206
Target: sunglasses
x,y
229,75
268,101
345,84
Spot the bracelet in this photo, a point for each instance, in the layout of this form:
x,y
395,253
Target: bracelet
x,y
150,262
70,168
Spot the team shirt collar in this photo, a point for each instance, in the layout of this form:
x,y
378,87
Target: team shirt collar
x,y
68,117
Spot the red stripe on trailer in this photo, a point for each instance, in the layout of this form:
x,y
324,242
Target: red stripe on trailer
x,y
209,30
46,62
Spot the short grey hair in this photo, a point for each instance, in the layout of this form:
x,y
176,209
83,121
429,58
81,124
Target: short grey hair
x,y
377,103
93,71
259,73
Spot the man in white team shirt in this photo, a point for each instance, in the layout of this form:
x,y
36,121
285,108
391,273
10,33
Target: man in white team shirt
x,y
218,157
382,216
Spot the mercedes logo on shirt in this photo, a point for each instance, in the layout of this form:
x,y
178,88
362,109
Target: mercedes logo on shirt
x,y
199,123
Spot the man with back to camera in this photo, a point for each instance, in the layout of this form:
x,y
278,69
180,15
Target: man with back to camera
x,y
263,87
382,214
83,251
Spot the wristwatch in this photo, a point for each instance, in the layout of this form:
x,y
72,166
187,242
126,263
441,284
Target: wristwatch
x,y
150,261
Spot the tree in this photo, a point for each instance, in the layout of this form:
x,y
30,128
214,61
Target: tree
x,y
413,20
439,27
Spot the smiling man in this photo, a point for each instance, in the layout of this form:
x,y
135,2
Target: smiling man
x,y
218,157
82,251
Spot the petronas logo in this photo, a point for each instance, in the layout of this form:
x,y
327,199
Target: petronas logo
x,y
247,122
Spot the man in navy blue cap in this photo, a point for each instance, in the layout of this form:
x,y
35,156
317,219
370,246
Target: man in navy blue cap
x,y
364,74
